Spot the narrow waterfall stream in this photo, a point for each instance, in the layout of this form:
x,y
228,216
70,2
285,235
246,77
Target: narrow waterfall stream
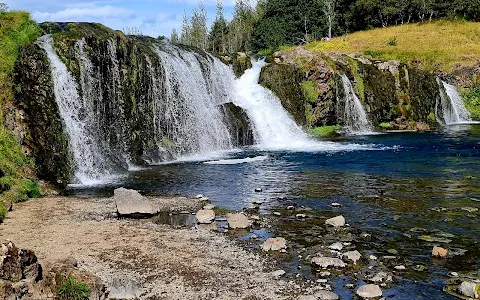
x,y
355,117
78,116
453,108
274,127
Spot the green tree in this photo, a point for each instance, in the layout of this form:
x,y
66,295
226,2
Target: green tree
x,y
174,36
185,37
218,33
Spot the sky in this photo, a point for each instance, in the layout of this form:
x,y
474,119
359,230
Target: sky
x,y
151,17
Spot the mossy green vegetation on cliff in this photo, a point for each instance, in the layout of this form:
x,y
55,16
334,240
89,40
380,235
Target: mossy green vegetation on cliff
x,y
471,97
16,30
440,45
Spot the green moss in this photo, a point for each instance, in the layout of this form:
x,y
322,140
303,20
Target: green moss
x,y
360,86
471,97
385,125
308,88
325,131
222,211
3,211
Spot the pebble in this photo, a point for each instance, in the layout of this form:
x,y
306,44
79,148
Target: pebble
x,y
276,213
274,244
324,274
258,190
400,268
335,204
453,274
199,196
209,206
372,257
369,291
301,216
291,207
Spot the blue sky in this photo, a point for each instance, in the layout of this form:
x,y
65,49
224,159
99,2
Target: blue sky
x,y
152,17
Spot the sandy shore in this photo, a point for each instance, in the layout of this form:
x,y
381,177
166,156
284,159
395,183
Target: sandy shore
x,y
165,263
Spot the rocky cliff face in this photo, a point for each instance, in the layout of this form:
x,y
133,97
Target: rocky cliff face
x,y
136,102
393,94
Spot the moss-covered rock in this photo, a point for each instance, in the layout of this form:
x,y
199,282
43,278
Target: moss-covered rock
x,y
240,63
34,95
285,82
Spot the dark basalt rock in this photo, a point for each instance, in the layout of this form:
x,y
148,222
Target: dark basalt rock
x,y
239,125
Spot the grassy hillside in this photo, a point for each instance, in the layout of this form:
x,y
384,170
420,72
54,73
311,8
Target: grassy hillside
x,y
440,45
16,30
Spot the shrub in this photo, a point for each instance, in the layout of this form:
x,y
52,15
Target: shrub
x,y
471,97
391,41
70,289
385,125
325,131
372,53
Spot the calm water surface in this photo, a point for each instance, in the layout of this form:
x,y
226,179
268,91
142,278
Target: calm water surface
x,y
410,184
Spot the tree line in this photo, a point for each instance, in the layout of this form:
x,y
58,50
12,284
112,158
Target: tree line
x,y
268,24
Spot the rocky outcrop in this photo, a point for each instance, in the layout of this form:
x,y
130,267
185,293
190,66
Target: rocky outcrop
x,y
239,125
240,63
284,80
310,88
130,203
45,139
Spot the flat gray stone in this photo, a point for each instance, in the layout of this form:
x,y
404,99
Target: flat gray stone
x,y
369,291
469,289
353,256
131,203
327,262
205,216
238,221
326,295
274,244
336,222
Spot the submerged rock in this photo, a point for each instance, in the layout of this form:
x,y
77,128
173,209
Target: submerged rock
x,y
327,262
274,244
205,216
130,203
369,291
238,221
336,222
439,252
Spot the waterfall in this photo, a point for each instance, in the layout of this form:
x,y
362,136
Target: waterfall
x,y
273,126
453,108
194,87
355,117
76,111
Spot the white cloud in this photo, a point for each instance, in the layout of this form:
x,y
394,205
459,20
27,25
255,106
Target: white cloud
x,y
79,14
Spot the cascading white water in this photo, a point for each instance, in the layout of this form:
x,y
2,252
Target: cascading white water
x,y
192,94
355,117
90,163
274,128
453,108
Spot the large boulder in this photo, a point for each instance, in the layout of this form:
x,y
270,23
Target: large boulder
x,y
131,204
238,124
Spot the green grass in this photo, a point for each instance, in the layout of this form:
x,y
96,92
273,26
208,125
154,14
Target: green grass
x,y
385,125
309,91
325,131
16,31
471,97
70,289
440,45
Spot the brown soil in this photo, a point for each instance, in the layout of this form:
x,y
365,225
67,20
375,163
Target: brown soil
x,y
166,263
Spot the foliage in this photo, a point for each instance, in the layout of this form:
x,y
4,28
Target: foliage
x,y
391,41
372,53
440,45
16,31
70,289
325,131
308,88
385,125
471,97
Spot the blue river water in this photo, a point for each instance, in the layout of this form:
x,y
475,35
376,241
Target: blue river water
x,y
399,187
